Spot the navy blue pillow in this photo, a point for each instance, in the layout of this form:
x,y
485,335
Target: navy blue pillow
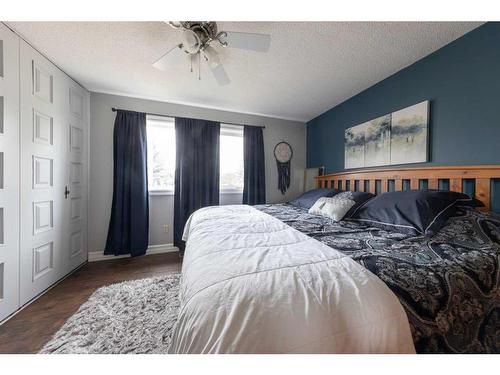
x,y
310,197
359,197
416,212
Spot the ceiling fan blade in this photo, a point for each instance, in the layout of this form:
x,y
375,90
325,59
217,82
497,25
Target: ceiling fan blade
x,y
247,41
164,62
220,74
174,24
211,56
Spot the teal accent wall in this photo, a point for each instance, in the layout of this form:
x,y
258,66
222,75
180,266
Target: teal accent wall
x,y
462,82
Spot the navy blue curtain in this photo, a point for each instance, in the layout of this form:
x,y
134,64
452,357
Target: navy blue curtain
x,y
254,178
196,170
129,223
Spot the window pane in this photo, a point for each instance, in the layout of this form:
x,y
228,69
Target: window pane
x,y
161,153
231,158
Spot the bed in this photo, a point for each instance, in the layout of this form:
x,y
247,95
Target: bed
x,y
448,284
276,279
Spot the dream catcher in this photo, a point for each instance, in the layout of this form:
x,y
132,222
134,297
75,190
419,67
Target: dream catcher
x,y
283,154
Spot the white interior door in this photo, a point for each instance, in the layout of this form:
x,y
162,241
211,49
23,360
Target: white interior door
x,y
9,172
75,215
43,173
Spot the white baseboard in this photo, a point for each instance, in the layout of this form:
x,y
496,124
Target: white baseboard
x,y
96,256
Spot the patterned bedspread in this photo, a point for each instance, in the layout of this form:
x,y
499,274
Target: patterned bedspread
x,y
448,283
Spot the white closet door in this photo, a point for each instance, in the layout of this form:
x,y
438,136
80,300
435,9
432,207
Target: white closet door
x,y
75,215
43,173
9,172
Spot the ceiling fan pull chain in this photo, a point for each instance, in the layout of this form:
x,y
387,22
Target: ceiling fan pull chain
x,y
199,66
191,61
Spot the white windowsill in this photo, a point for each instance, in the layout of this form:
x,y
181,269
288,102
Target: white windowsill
x,y
161,192
231,192
171,192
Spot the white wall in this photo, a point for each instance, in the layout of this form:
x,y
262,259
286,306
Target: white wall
x,y
161,207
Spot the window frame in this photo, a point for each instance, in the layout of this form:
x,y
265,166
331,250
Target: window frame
x,y
225,129
170,122
232,131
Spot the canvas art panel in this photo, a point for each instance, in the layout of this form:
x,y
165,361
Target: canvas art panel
x,y
409,132
397,138
355,146
378,141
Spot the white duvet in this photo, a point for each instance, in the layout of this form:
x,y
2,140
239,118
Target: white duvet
x,y
252,284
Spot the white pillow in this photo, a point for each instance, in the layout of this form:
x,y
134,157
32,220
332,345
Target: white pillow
x,y
336,209
316,207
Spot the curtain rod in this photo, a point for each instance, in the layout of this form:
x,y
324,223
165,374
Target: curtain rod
x,y
222,122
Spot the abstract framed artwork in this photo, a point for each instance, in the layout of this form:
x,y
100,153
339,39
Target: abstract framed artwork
x,y
400,137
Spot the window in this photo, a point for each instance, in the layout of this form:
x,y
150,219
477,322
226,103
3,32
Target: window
x,y
231,158
161,154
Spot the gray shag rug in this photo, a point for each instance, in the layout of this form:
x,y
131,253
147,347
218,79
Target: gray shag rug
x,y
130,317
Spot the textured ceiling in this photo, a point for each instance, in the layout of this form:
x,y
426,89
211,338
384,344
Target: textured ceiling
x,y
311,66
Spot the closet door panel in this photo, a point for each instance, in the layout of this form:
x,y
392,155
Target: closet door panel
x,y
75,215
42,168
9,172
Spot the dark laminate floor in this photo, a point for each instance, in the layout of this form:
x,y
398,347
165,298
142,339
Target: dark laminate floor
x,y
31,328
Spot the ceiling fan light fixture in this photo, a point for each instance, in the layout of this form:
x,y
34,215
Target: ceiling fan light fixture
x,y
191,41
198,37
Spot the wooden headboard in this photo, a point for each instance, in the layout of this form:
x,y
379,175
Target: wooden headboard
x,y
474,180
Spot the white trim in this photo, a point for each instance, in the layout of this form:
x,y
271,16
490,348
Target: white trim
x,y
161,120
231,130
96,256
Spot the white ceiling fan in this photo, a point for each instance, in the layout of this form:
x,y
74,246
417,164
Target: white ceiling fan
x,y
198,39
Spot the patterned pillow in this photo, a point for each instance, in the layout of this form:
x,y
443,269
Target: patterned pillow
x,y
335,207
336,210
